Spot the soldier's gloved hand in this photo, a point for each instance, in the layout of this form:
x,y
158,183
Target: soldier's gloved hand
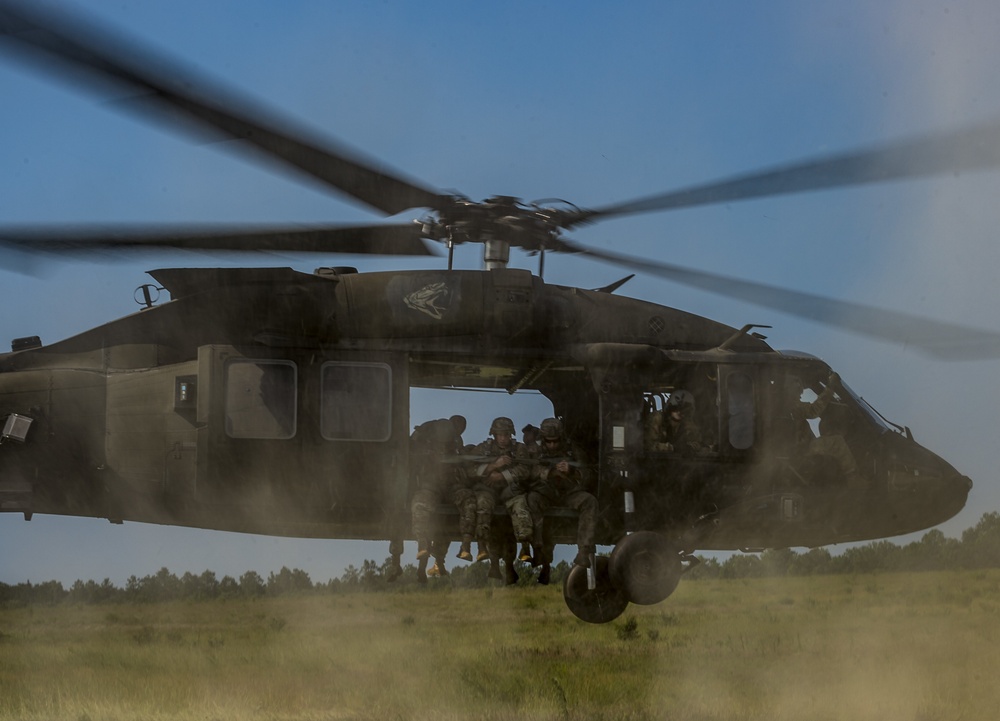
x,y
834,380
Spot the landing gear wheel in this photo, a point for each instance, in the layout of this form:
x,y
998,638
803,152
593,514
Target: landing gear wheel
x,y
602,605
646,567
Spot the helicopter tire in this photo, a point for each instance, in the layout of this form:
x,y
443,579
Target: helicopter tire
x,y
646,567
601,605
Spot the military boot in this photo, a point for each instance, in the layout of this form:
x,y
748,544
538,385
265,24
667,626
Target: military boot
x,y
484,551
422,570
583,556
545,574
510,574
465,552
525,555
423,552
437,570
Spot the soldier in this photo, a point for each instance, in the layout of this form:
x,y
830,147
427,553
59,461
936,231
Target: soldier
x,y
438,481
561,478
674,430
499,474
829,442
529,436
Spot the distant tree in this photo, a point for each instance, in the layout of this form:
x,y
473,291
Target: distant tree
x,y
93,592
813,562
707,568
48,593
351,576
777,561
742,566
26,594
288,581
981,543
199,588
161,586
252,585
229,587
370,574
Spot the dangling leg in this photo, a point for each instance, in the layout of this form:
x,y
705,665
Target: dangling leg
x,y
465,501
485,502
395,568
586,506
439,549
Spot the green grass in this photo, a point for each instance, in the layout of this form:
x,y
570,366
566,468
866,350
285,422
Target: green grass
x,y
894,646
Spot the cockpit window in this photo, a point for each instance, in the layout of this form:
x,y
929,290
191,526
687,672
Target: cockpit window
x,y
870,412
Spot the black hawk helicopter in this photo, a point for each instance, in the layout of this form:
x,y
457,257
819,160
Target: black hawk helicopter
x,y
273,401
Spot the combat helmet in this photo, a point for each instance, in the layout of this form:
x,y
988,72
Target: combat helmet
x,y
551,428
502,425
681,400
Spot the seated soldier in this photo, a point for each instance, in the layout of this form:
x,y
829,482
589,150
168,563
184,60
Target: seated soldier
x,y
438,481
498,475
560,477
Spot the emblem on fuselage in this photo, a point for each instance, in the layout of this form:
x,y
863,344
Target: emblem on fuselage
x,y
433,299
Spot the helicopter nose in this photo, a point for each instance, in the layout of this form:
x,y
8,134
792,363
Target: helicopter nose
x,y
925,499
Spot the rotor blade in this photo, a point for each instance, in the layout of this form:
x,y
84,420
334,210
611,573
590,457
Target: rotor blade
x,y
368,239
944,341
67,44
975,148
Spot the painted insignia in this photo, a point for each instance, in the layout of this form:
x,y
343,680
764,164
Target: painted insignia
x,y
431,299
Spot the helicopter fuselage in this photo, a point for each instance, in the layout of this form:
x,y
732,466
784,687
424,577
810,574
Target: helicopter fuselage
x,y
276,402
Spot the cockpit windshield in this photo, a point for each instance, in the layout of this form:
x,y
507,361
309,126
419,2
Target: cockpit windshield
x,y
869,410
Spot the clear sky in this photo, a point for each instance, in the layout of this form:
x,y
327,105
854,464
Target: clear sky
x,y
593,102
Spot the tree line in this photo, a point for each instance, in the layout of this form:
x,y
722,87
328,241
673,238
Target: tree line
x,y
979,547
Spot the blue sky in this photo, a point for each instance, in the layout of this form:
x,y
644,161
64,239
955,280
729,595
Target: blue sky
x,y
591,102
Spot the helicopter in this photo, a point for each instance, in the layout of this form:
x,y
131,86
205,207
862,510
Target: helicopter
x,y
276,402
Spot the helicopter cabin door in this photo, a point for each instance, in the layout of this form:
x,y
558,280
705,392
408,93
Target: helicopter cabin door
x,y
303,442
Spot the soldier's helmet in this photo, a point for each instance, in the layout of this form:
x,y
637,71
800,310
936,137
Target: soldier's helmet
x,y
551,429
681,400
502,425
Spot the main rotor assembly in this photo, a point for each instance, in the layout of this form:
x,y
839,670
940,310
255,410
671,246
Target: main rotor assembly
x,y
79,50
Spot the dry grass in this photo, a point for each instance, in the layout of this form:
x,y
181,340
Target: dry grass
x,y
920,646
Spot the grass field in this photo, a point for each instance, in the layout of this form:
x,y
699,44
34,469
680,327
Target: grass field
x,y
894,646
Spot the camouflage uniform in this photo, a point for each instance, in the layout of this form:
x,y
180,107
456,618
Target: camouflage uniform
x,y
501,479
832,445
553,484
438,481
499,475
667,433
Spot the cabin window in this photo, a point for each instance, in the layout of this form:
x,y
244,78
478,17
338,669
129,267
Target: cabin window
x,y
356,401
741,410
260,398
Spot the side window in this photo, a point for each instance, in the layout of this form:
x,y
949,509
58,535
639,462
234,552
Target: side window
x,y
260,398
356,401
739,387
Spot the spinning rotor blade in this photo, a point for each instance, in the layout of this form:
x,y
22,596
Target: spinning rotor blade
x,y
944,341
67,44
971,149
368,239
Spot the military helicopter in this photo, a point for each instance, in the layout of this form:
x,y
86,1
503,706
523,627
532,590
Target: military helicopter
x,y
271,401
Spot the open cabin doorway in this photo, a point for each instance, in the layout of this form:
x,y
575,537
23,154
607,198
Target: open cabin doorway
x,y
480,407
